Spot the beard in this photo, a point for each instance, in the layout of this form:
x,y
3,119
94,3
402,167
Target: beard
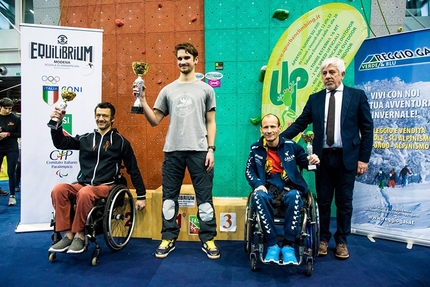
x,y
185,69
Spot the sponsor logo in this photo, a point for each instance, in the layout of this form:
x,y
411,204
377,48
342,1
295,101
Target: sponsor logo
x,y
214,79
395,58
60,160
193,225
200,76
60,154
61,52
62,55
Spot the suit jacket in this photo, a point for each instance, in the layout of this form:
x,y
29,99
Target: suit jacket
x,y
356,125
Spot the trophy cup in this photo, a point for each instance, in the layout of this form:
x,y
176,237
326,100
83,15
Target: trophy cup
x,y
140,69
308,137
67,96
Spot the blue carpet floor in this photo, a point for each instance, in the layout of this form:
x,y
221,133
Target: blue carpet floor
x,y
24,262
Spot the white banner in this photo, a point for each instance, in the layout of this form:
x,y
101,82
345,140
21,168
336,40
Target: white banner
x,y
391,200
54,58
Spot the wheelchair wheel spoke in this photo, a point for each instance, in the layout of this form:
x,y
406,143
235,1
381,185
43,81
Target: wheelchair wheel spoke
x,y
119,222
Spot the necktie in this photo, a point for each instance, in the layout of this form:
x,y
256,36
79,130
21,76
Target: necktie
x,y
330,118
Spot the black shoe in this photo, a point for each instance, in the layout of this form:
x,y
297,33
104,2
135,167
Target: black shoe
x,y
210,249
165,247
3,193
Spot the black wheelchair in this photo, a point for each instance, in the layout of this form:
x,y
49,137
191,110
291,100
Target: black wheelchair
x,y
114,217
307,242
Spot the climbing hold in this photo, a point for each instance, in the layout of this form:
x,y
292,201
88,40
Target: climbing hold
x,y
262,73
119,22
281,14
255,121
193,19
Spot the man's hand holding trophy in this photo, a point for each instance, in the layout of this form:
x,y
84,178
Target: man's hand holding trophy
x,y
308,137
140,69
67,96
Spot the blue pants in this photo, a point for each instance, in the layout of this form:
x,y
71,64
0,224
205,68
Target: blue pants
x,y
173,172
292,203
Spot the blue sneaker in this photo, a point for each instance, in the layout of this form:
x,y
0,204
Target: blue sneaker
x,y
288,255
273,254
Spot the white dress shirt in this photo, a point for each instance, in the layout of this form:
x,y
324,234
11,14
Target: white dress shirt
x,y
337,137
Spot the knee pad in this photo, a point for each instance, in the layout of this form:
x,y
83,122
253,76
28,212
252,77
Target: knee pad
x,y
168,209
206,211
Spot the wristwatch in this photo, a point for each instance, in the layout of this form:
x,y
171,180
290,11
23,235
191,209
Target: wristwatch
x,y
212,147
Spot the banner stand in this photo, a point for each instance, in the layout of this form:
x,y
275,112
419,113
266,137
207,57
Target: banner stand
x,y
54,60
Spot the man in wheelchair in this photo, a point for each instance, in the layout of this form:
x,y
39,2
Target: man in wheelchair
x,y
101,154
272,172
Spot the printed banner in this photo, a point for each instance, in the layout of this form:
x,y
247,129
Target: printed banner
x,y
293,71
54,59
391,200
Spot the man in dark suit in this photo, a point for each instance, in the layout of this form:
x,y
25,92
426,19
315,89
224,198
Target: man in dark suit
x,y
343,141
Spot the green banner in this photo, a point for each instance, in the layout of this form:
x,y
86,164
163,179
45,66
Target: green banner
x,y
293,70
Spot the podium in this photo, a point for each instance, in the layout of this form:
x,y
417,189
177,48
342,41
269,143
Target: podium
x,y
229,212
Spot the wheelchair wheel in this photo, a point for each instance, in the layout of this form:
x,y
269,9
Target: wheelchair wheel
x,y
309,267
119,217
249,228
253,262
52,256
95,258
314,226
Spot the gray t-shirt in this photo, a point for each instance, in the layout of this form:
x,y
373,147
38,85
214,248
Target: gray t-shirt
x,y
187,105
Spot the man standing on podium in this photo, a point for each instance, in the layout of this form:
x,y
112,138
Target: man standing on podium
x,y
190,143
343,128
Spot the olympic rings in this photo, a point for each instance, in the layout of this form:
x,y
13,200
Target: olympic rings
x,y
51,79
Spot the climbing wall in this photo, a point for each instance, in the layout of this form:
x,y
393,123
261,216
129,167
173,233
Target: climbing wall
x,y
234,38
242,35
143,31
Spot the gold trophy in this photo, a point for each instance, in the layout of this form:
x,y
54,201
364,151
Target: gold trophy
x,y
140,69
308,137
67,96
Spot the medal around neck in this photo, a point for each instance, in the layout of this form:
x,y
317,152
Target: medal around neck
x,y
308,137
140,69
67,96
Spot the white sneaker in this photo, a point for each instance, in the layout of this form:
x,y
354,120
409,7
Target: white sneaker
x,y
12,200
